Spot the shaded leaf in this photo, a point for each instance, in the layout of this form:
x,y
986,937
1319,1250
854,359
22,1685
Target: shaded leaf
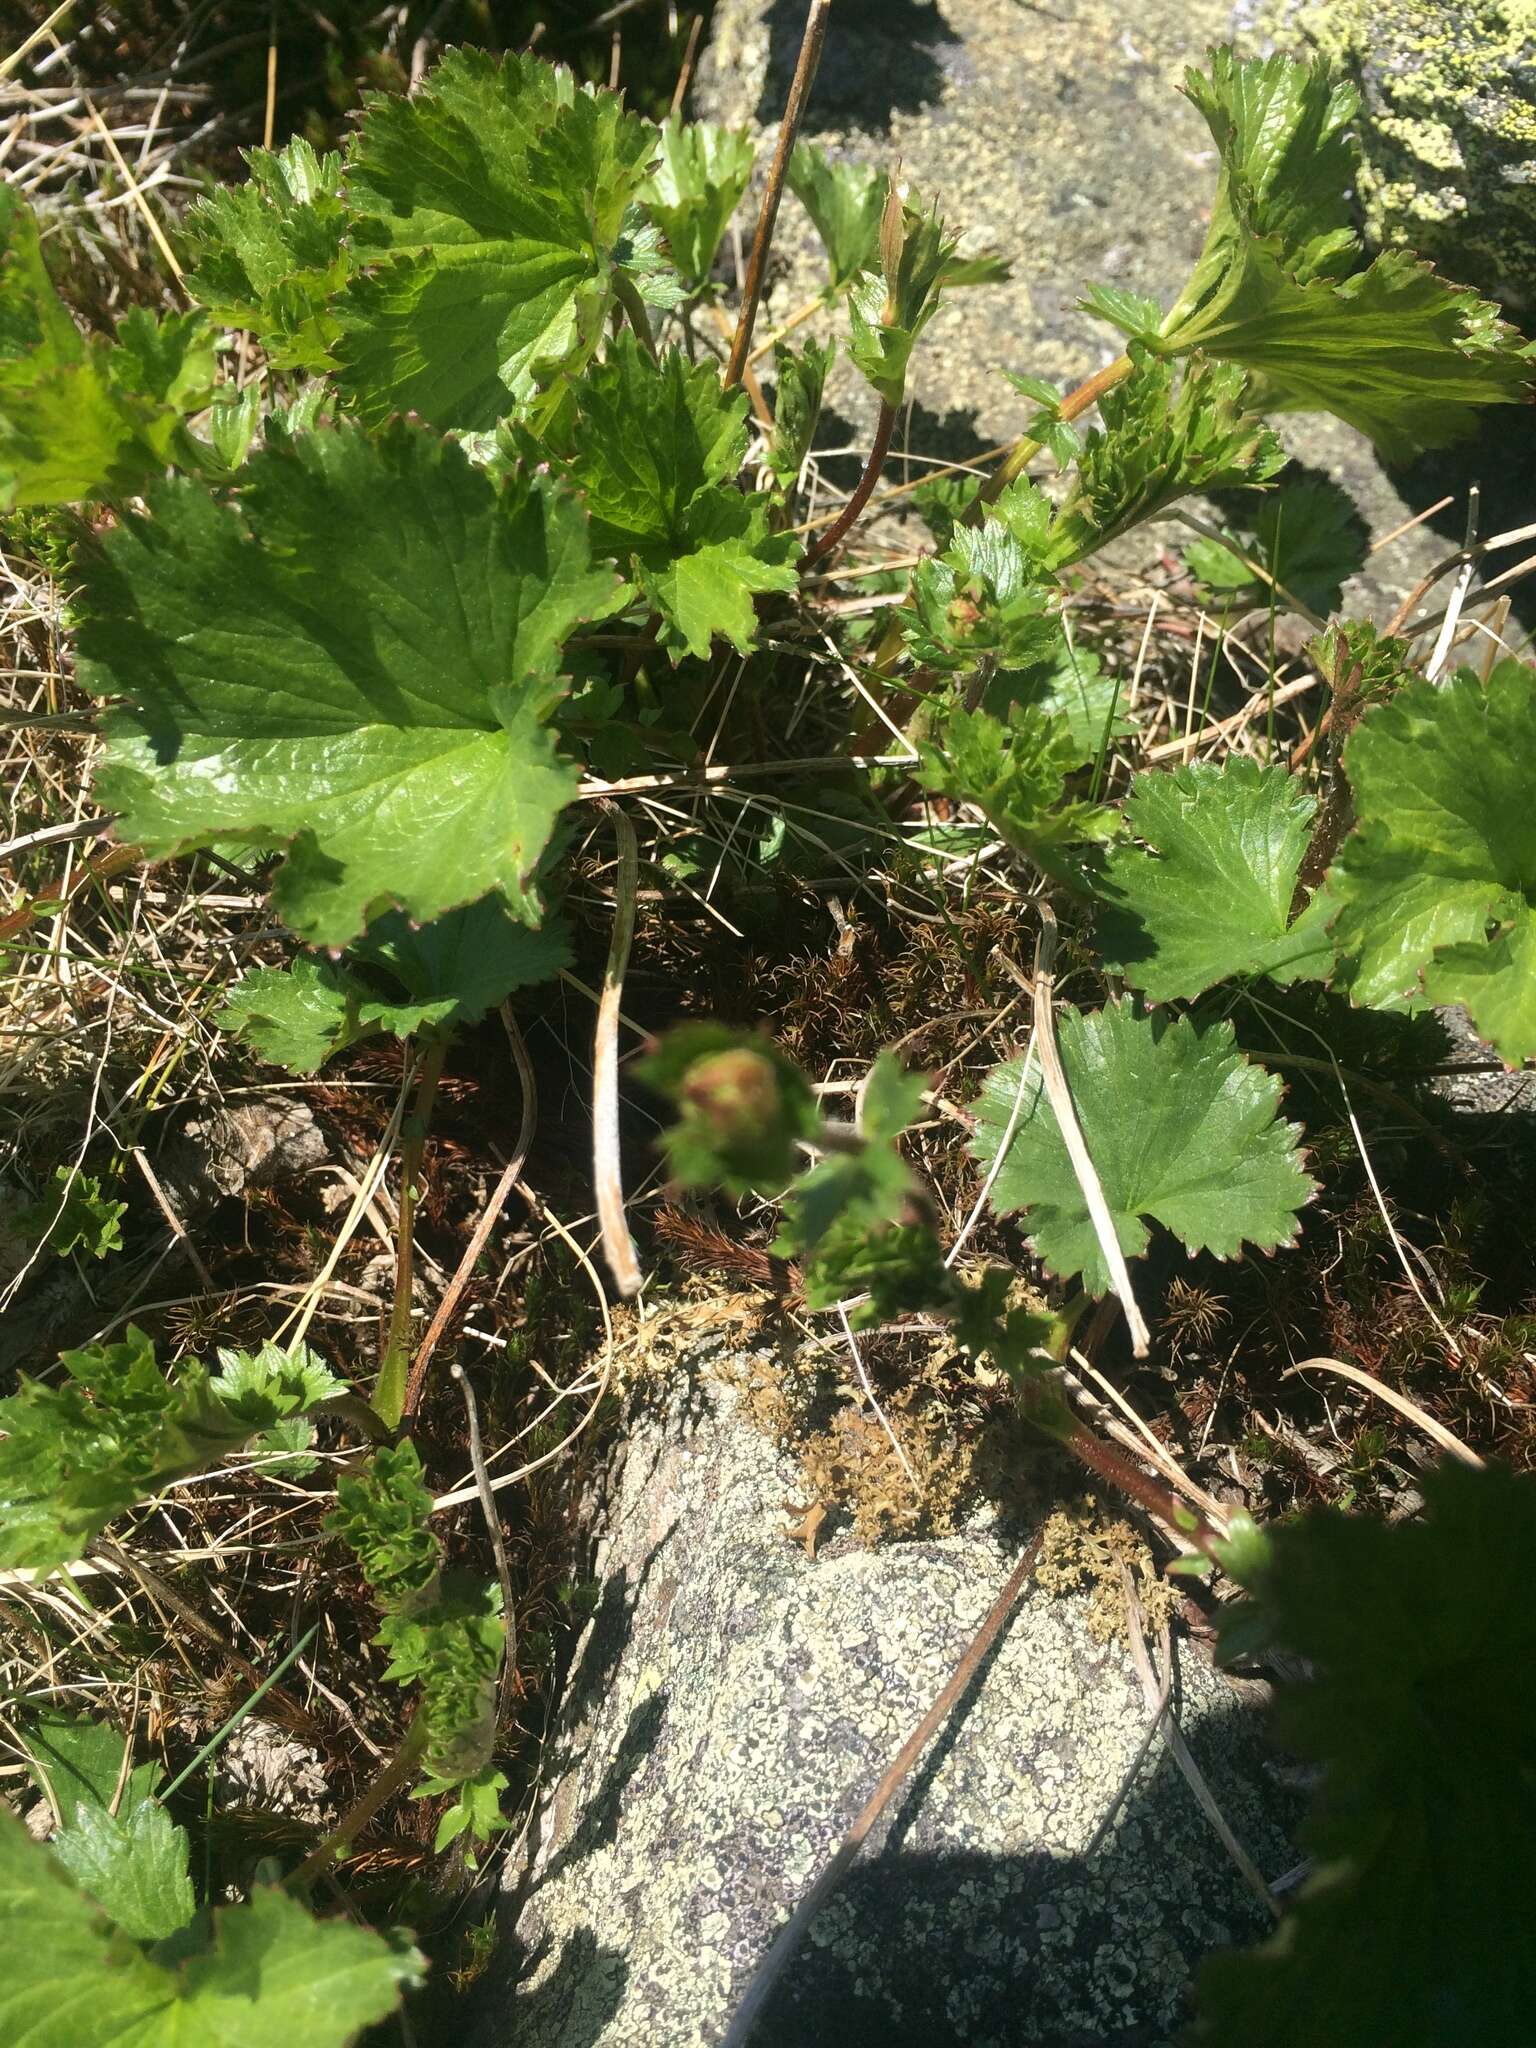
x,y
1180,1127
1210,895
800,378
1309,536
1418,1636
85,418
1068,684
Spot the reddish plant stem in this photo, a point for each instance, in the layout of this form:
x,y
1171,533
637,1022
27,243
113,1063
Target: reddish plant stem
x,y
880,447
1156,1499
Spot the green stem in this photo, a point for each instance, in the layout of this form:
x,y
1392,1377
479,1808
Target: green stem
x,y
1022,453
389,1393
628,296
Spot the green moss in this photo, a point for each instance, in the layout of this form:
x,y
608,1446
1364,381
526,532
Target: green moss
x,y
1447,130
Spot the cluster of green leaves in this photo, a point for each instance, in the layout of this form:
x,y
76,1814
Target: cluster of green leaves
x,y
83,417
1414,1926
117,1429
104,1939
1279,291
444,1631
78,1217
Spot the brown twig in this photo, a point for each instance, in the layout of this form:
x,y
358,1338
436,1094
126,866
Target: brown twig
x,y
388,1781
486,1223
685,75
772,1967
811,43
879,448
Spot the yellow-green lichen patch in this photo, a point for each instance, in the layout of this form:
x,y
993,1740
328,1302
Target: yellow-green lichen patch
x,y
1447,130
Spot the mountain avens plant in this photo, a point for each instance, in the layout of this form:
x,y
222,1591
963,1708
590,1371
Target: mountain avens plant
x,y
473,554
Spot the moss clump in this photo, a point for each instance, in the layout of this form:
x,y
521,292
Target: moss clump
x,y
1447,130
1081,1546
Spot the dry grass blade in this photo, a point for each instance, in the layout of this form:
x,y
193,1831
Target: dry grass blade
x,y
1072,1136
1437,1432
1178,1748
607,1170
486,1222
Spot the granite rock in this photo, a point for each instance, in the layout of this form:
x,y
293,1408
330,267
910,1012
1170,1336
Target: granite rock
x,y
732,1704
1447,130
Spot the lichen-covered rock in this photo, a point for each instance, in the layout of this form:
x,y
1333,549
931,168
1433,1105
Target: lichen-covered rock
x,y
1447,130
1059,136
733,1704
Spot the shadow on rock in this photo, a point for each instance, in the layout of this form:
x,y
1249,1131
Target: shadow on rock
x,y
941,1949
1500,458
881,57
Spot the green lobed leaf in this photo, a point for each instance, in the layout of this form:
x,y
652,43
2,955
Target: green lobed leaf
x,y
1179,1126
888,309
268,255
846,202
1414,1927
263,1972
800,378
657,448
453,1650
1066,683
1209,896
297,1016
133,1865
858,1191
489,207
430,977
78,1218
82,1761
701,172
1435,890
84,418
1308,535
986,596
1162,439
1394,350
356,657
1016,772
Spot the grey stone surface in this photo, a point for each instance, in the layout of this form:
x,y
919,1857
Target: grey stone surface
x,y
1058,133
732,1705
